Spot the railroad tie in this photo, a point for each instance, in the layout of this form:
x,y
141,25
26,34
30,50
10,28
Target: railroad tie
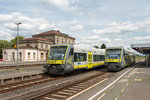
x,y
59,96
6,88
79,87
48,98
65,93
13,86
76,89
72,91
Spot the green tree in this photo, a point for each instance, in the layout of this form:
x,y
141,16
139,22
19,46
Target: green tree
x,y
6,44
14,41
103,46
96,47
3,45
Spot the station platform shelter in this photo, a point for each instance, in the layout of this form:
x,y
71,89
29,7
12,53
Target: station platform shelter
x,y
143,48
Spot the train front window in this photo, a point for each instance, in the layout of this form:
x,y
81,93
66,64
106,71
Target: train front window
x,y
57,52
113,53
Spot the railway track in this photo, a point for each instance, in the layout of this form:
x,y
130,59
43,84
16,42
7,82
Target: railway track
x,y
23,84
70,90
8,89
63,88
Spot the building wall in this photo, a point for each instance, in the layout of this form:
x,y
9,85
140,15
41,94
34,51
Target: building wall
x,y
29,55
22,45
64,39
11,55
58,38
24,55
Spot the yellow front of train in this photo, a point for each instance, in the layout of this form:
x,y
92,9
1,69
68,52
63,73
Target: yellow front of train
x,y
60,60
114,59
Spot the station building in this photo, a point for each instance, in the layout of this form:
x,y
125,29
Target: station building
x,y
143,48
37,47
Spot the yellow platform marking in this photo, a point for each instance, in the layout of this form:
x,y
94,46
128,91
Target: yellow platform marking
x,y
105,93
123,90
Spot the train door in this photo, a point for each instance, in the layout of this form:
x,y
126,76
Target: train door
x,y
89,59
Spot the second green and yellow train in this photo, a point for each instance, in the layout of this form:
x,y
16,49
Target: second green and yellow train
x,y
116,58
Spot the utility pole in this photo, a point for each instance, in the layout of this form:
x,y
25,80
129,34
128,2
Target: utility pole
x,y
17,42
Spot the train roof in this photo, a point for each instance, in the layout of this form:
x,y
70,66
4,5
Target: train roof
x,y
115,47
127,50
82,48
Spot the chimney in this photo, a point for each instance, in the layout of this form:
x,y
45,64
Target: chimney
x,y
58,30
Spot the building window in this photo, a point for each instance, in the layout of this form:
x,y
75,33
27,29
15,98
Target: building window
x,y
69,41
6,55
20,56
42,55
41,45
65,40
13,55
29,55
62,40
57,40
34,55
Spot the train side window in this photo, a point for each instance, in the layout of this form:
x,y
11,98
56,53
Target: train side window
x,y
78,57
71,52
102,57
98,57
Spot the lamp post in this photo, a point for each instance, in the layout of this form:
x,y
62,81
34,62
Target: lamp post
x,y
17,42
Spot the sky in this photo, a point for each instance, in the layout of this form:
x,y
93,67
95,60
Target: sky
x,y
91,22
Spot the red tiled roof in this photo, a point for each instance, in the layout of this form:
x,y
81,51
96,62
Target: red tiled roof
x,y
37,39
49,32
53,32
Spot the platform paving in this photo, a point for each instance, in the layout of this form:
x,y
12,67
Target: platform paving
x,y
134,85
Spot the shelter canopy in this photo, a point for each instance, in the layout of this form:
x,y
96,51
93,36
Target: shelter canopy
x,y
143,48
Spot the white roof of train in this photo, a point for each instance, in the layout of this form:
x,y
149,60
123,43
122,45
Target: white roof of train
x,y
85,49
127,50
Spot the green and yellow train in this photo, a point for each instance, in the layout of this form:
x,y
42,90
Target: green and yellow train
x,y
117,58
63,59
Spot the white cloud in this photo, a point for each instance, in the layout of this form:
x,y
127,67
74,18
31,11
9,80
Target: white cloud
x,y
93,37
67,22
76,28
124,28
94,40
5,35
62,4
142,38
105,40
117,40
29,25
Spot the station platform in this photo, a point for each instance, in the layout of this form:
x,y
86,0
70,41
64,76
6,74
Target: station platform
x,y
132,83
13,75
